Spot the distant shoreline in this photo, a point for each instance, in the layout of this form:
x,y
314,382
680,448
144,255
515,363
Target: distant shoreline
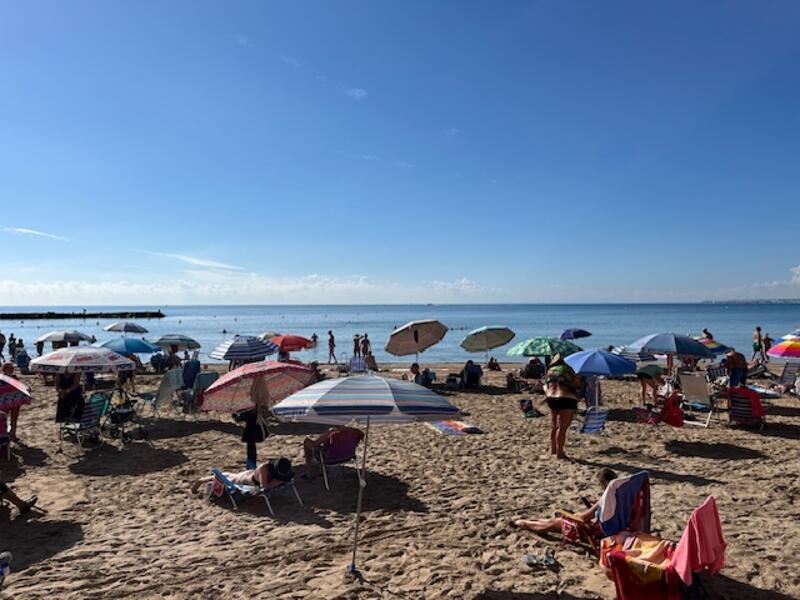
x,y
41,316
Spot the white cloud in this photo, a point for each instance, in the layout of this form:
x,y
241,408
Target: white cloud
x,y
242,40
194,261
355,93
26,231
795,275
289,60
370,157
461,286
403,164
452,133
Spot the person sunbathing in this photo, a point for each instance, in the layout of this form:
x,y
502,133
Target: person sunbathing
x,y
587,517
266,475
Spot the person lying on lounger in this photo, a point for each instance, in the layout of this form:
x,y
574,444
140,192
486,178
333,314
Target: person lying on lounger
x,y
266,475
558,523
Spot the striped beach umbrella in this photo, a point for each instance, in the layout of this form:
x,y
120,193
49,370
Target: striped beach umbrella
x,y
415,337
635,356
364,399
544,346
82,359
486,338
258,384
243,348
125,327
786,349
712,344
792,335
68,336
13,392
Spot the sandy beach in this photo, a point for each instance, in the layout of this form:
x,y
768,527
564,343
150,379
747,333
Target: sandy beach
x,y
121,522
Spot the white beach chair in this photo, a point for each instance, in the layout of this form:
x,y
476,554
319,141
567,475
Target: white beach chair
x,y
696,396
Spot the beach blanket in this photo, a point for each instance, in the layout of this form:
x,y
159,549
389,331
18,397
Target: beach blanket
x,y
453,427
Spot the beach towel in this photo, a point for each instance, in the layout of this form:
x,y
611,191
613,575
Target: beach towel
x,y
625,504
701,546
453,427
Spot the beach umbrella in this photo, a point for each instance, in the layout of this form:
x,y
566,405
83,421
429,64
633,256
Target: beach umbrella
x,y
671,344
651,371
544,346
415,337
633,354
291,343
85,359
600,362
125,327
484,339
126,345
364,399
712,344
243,348
69,336
786,349
258,384
268,335
178,341
792,335
574,334
12,390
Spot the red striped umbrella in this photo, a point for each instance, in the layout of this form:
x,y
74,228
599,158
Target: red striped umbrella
x,y
291,343
13,392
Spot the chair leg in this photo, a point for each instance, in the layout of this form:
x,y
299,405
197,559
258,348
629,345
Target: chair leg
x,y
297,494
325,476
269,506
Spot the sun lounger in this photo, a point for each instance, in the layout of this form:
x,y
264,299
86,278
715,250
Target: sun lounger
x,y
595,420
744,407
764,393
236,491
89,424
697,398
789,375
5,438
646,566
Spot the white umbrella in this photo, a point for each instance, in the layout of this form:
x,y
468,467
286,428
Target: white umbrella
x,y
415,337
126,327
364,399
484,339
67,335
86,359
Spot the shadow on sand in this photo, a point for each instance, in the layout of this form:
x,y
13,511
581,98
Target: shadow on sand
x,y
655,473
133,459
718,451
161,429
32,540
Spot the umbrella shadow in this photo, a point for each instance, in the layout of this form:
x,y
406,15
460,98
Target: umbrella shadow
x,y
162,429
383,492
34,540
490,594
133,459
717,451
783,411
654,473
283,428
22,457
725,588
780,430
285,505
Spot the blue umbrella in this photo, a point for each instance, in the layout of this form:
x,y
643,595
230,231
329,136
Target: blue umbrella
x,y
600,362
671,344
574,334
633,354
126,345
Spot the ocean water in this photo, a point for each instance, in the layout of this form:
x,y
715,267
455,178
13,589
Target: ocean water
x,y
610,324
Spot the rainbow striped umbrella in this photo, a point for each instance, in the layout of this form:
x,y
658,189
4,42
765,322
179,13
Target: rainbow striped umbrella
x,y
364,399
786,349
712,345
792,335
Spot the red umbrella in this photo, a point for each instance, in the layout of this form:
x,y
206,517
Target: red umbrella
x,y
291,343
256,384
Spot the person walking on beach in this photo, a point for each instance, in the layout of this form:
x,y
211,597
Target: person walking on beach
x,y
12,348
356,345
767,343
366,346
332,348
2,346
561,391
758,345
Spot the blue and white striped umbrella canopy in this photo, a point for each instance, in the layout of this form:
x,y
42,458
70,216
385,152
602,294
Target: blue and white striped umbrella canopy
x,y
342,401
634,355
670,343
243,347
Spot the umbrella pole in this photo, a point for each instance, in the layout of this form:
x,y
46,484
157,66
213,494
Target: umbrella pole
x,y
597,391
362,483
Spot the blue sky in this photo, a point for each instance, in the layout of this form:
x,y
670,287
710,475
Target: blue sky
x,y
324,152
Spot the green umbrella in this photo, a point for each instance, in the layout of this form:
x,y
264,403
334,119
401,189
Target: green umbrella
x,y
543,346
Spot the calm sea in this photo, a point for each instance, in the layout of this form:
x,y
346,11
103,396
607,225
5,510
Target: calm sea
x,y
610,324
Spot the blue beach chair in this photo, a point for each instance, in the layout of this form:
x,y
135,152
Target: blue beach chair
x,y
595,420
236,491
89,424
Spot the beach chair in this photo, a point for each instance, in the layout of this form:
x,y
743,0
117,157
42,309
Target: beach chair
x,y
594,421
236,491
89,424
744,407
696,398
339,452
646,566
787,378
192,399
23,362
5,437
190,371
717,376
358,364
170,383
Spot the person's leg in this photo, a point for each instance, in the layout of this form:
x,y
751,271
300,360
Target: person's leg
x,y
540,525
200,481
308,450
13,416
643,385
252,455
553,431
23,505
564,420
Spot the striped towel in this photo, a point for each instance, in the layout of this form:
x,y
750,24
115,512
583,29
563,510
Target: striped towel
x,y
453,427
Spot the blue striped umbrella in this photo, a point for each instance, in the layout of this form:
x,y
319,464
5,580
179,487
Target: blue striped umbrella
x,y
243,348
364,399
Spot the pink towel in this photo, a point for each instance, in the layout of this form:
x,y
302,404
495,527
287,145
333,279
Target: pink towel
x,y
702,545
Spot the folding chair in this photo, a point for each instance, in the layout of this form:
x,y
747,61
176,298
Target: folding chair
x,y
89,424
717,376
697,398
594,421
236,491
744,407
358,364
788,376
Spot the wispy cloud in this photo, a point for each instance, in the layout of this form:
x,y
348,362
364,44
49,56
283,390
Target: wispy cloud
x,y
452,133
355,93
35,232
370,157
289,60
403,164
242,40
194,261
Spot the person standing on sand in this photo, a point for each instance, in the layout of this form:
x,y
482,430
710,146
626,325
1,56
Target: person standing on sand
x,y
2,346
758,345
561,391
12,348
356,345
366,346
767,345
332,348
